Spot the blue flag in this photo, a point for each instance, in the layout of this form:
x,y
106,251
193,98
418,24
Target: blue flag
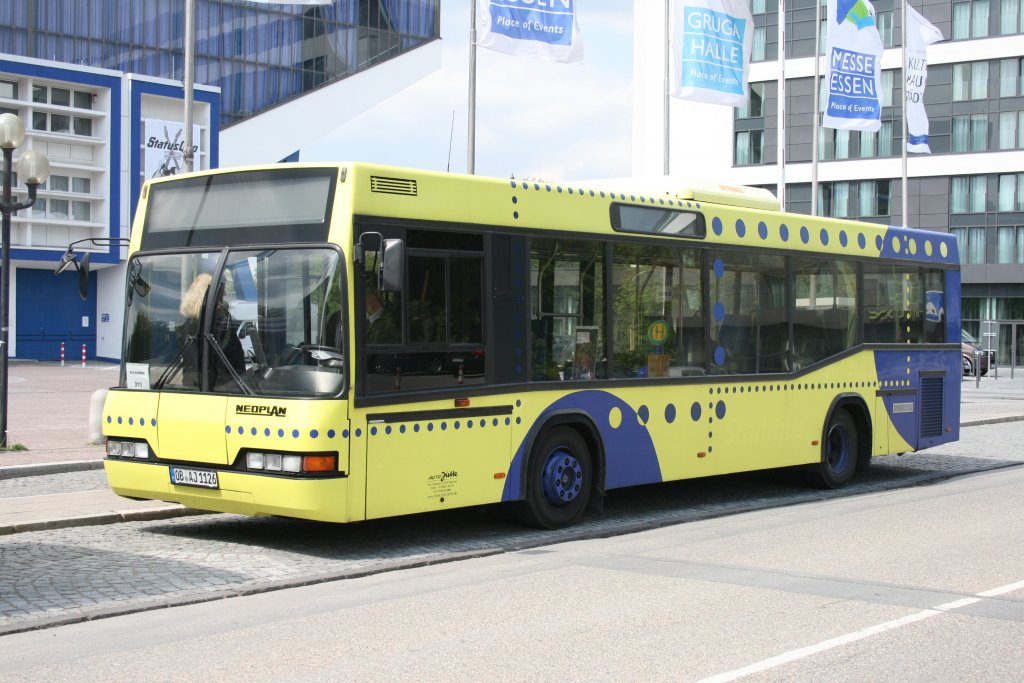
x,y
854,53
537,28
711,44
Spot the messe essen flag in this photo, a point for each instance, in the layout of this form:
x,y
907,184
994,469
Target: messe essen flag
x,y
537,28
712,40
854,53
920,34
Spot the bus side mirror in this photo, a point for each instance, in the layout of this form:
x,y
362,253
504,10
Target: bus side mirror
x,y
392,266
83,277
69,261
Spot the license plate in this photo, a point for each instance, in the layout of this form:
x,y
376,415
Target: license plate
x,y
183,476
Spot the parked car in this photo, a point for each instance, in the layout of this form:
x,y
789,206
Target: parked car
x,y
968,347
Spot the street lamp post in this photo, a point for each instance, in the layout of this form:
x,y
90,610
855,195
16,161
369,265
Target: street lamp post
x,y
33,168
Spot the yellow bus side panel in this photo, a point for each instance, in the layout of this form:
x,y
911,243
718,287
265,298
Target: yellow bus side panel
x,y
425,463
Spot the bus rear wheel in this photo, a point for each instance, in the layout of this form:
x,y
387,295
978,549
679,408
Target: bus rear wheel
x,y
839,453
559,479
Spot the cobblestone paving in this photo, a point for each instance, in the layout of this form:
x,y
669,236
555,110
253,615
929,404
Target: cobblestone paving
x,y
45,484
67,575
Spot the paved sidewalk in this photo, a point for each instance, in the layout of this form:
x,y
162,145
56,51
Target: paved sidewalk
x,y
48,413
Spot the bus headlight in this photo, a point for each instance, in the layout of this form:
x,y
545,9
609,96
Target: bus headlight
x,y
117,448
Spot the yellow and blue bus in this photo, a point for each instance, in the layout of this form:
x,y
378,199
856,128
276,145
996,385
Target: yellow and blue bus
x,y
344,342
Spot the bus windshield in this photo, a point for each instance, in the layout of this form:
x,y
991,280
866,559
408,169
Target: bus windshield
x,y
253,322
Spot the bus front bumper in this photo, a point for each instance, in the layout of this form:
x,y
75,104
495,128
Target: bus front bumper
x,y
241,493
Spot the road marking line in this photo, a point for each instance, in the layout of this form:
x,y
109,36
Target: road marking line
x,y
800,653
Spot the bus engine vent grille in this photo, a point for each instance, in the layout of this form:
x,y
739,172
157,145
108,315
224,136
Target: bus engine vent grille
x,y
393,185
931,406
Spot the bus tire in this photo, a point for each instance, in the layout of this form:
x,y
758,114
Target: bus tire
x,y
559,480
839,452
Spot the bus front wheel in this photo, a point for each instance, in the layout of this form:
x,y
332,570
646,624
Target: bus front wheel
x,y
559,479
839,453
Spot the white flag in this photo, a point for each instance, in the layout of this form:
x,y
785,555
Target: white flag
x,y
854,53
712,40
920,34
546,29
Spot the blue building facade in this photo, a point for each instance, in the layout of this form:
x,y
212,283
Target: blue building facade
x,y
95,81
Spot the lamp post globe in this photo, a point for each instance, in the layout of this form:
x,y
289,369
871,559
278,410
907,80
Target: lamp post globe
x,y
12,131
33,168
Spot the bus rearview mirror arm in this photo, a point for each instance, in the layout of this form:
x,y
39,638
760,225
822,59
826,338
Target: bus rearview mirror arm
x,y
69,260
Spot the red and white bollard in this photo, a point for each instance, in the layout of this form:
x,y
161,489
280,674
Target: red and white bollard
x,y
62,354
83,355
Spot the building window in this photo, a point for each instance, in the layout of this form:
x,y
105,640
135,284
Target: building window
x,y
970,19
1011,17
877,144
40,93
83,100
83,126
758,51
1011,130
885,96
874,197
970,81
749,147
1010,71
967,194
754,108
58,209
970,133
884,21
8,90
81,211
1004,244
1011,192
757,6
834,199
81,185
971,244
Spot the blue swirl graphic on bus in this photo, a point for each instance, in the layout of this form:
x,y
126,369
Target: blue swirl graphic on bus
x,y
630,456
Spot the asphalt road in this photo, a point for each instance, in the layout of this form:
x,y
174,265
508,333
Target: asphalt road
x,y
915,583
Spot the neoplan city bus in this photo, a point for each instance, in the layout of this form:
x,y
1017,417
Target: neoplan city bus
x,y
343,342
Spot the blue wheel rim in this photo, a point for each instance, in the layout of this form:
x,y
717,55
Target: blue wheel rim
x,y
839,449
562,477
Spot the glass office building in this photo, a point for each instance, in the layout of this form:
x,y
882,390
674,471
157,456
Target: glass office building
x,y
259,55
972,183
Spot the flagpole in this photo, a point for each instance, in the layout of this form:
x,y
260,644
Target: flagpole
x,y
471,123
665,94
188,80
817,97
781,108
903,72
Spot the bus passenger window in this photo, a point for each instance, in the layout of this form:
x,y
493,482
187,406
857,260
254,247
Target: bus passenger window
x,y
567,310
750,329
825,318
657,302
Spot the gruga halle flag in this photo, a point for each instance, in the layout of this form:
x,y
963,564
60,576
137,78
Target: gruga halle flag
x,y
711,44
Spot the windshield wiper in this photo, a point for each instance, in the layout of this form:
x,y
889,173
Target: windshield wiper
x,y
179,359
212,341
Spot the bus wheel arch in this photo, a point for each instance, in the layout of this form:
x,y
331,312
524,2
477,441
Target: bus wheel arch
x,y
845,443
563,472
